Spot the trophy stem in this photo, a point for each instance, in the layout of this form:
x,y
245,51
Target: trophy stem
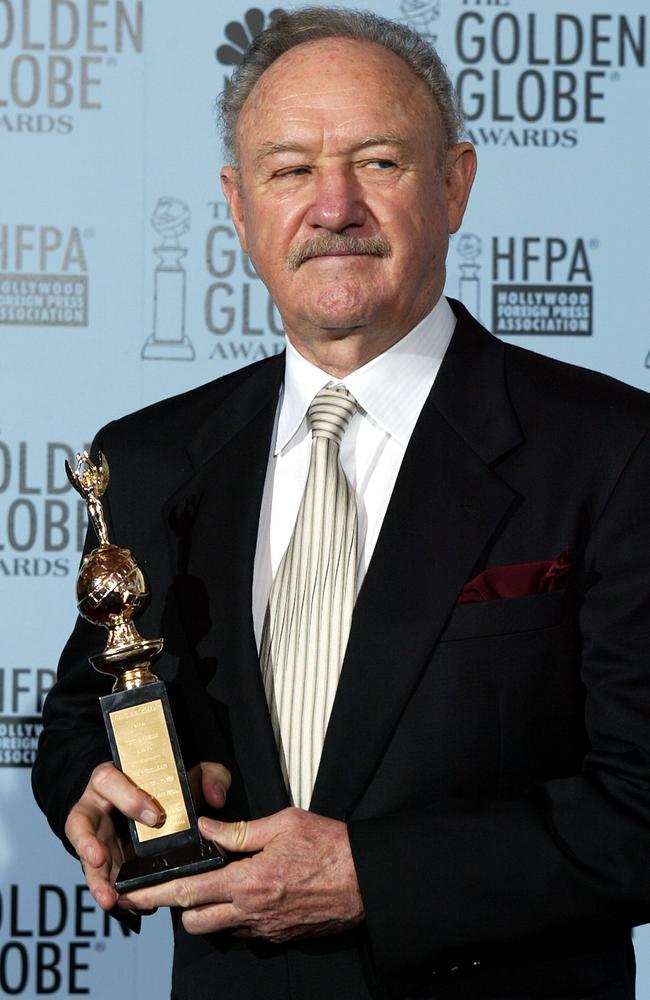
x,y
123,635
130,660
135,678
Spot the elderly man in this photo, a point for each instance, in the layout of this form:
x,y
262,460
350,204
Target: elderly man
x,y
408,598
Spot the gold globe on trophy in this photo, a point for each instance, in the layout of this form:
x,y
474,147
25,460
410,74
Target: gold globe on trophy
x,y
111,588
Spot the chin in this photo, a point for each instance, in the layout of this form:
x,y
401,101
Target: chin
x,y
342,305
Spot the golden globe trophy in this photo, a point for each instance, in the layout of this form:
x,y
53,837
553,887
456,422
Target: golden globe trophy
x,y
112,591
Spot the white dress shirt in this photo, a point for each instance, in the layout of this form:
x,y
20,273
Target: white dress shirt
x,y
391,391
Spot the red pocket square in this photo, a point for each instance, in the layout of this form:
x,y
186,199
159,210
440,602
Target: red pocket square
x,y
517,580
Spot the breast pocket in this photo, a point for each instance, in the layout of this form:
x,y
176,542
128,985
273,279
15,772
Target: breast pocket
x,y
509,615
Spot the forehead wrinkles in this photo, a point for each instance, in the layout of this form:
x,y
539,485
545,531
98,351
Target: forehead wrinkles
x,y
333,114
333,120
364,74
336,100
342,103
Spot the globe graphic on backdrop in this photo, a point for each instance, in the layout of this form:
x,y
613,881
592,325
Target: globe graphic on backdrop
x,y
469,246
171,218
421,13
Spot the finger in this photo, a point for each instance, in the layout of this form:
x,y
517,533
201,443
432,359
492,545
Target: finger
x,y
242,836
89,849
215,781
214,917
101,889
90,830
121,905
185,893
89,827
100,884
81,832
116,789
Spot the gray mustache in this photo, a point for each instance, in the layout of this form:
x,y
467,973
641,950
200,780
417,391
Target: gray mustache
x,y
374,246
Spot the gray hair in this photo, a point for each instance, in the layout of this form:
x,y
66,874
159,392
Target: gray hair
x,y
310,24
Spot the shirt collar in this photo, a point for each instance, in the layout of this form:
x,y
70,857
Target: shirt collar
x,y
391,388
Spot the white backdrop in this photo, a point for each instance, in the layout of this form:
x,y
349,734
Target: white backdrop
x,y
121,282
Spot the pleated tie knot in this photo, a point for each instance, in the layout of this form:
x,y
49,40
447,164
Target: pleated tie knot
x,y
330,412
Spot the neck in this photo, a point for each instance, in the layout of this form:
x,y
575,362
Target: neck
x,y
339,352
344,352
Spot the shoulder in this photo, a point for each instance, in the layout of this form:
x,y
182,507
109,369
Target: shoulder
x,y
580,387
572,400
559,393
150,449
177,417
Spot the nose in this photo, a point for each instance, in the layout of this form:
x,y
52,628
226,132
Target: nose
x,y
337,201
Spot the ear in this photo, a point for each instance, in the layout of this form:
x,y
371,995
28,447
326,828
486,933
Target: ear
x,y
459,177
231,186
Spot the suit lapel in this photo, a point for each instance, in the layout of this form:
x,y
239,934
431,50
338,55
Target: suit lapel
x,y
446,505
213,522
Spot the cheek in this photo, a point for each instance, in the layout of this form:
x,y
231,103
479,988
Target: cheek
x,y
271,228
416,221
419,244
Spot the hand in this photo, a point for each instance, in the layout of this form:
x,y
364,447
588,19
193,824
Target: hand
x,y
301,883
91,830
90,826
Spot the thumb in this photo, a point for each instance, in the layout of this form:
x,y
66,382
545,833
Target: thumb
x,y
242,836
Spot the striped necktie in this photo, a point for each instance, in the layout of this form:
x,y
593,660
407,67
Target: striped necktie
x,y
310,607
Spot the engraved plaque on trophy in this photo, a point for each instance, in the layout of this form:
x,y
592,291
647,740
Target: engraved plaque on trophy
x,y
111,591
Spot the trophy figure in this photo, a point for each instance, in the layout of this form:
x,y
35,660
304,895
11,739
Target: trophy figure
x,y
111,591
469,286
171,220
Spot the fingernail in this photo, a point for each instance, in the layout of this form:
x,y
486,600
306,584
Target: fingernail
x,y
91,856
149,817
210,826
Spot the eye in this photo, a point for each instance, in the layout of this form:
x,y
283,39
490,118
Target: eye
x,y
299,171
382,164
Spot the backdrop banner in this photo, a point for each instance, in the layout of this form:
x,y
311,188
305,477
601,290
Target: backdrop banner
x,y
121,282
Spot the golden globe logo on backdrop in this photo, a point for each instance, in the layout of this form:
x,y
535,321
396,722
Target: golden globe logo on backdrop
x,y
529,76
54,940
535,78
239,317
55,56
421,15
240,321
42,521
235,301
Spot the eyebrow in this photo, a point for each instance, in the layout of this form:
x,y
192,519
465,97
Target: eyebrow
x,y
269,148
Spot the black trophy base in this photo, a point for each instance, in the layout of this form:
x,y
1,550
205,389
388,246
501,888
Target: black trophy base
x,y
190,859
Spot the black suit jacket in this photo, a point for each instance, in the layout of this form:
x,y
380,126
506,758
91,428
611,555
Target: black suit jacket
x,y
491,759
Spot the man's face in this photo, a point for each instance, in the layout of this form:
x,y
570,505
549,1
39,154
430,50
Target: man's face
x,y
340,198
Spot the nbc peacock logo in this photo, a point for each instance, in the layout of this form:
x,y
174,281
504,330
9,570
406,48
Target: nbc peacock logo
x,y
240,34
